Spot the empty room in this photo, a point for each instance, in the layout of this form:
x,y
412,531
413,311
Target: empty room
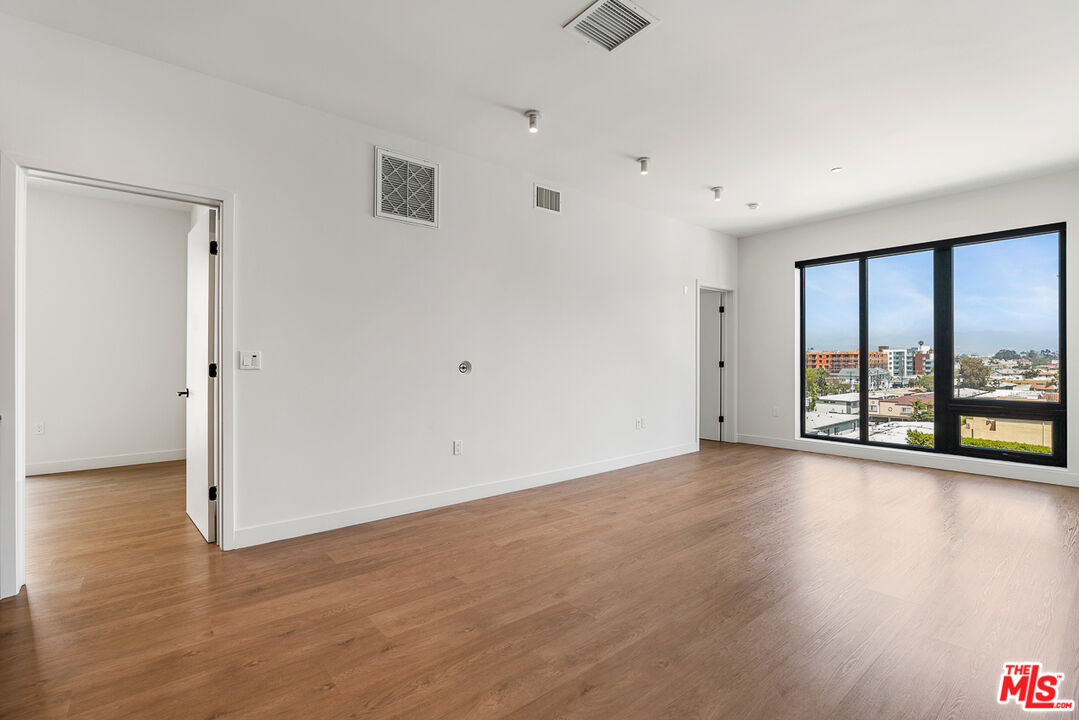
x,y
573,359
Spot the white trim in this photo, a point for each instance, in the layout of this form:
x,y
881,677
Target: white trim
x,y
12,377
104,461
976,466
284,529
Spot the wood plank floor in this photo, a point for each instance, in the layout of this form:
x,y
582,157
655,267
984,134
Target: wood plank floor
x,y
740,582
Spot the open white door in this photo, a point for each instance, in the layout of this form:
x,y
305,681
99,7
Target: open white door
x,y
201,495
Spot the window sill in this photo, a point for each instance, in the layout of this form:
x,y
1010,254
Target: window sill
x,y
1050,474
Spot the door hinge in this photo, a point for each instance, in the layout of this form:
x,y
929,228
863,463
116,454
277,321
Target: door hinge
x,y
721,418
213,369
213,247
213,492
722,309
721,364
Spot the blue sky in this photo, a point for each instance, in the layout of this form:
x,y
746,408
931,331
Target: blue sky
x,y
1005,297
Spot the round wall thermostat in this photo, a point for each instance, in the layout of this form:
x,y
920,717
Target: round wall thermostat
x,y
465,367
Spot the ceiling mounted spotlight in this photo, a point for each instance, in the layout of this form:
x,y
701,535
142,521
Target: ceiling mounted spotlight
x,y
753,206
644,164
836,169
717,193
533,120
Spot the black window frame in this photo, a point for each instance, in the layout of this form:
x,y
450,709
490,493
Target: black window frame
x,y
948,411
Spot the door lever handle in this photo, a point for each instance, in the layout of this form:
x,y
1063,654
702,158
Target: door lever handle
x,y
184,393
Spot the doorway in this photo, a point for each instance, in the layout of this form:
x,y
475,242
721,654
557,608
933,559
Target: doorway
x,y
711,364
121,338
15,426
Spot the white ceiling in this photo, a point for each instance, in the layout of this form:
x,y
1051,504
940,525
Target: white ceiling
x,y
913,98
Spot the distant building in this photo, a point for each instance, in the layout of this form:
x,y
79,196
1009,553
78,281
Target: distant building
x,y
896,361
835,360
1033,432
831,424
878,377
921,360
898,407
845,403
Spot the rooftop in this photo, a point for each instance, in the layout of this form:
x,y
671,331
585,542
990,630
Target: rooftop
x,y
842,397
896,432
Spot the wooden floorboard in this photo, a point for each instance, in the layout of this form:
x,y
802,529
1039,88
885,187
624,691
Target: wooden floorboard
x,y
738,582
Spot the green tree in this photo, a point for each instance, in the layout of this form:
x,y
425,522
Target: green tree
x,y
922,412
925,381
973,373
819,382
1006,355
1005,445
919,439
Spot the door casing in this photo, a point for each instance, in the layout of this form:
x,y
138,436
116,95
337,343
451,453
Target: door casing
x,y
14,172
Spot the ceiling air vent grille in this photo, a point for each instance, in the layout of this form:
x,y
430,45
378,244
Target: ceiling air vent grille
x,y
406,189
609,23
548,199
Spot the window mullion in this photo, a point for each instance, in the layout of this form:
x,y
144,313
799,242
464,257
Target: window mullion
x,y
863,349
944,423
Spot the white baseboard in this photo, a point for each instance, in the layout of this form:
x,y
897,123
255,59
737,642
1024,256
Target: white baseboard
x,y
105,461
270,532
976,466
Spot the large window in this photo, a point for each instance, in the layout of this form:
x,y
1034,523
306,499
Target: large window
x,y
832,364
955,346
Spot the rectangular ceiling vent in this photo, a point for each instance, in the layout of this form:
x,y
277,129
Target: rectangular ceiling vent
x,y
406,188
548,199
609,23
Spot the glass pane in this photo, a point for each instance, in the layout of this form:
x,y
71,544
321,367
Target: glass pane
x,y
831,341
1026,436
1007,321
900,349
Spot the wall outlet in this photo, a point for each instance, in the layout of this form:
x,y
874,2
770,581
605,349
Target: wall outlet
x,y
457,447
637,423
38,428
775,411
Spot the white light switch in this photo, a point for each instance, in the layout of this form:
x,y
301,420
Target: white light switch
x,y
250,360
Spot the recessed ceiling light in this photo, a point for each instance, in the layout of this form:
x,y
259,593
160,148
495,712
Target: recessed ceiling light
x,y
836,169
533,120
753,205
717,193
644,164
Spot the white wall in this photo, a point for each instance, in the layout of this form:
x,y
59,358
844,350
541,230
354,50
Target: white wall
x,y
105,330
768,341
576,324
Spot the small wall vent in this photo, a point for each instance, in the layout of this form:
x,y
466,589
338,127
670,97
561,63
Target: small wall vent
x,y
548,199
609,23
406,188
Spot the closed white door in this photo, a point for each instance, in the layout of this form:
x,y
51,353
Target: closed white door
x,y
711,404
201,501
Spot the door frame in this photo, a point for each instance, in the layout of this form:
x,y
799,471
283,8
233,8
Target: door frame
x,y
14,174
728,428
